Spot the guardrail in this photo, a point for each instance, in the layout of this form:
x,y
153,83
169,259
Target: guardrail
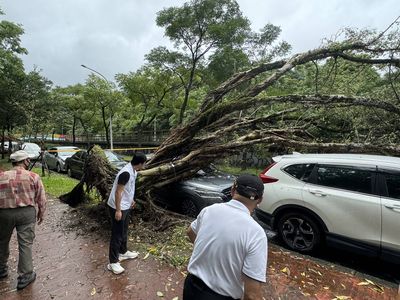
x,y
138,137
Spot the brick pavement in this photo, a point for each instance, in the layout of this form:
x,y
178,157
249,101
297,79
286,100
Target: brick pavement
x,y
73,266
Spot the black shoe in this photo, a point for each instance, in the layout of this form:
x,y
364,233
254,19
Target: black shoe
x,y
3,274
25,280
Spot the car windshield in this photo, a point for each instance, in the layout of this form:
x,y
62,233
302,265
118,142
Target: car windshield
x,y
209,170
111,156
67,152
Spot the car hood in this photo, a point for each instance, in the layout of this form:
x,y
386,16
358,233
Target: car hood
x,y
211,182
33,155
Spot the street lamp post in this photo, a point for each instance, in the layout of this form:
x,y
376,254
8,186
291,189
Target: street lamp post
x,y
102,76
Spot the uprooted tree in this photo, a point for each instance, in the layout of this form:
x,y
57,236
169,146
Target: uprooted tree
x,y
258,106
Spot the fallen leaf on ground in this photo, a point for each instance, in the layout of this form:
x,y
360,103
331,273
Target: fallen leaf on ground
x,y
93,292
341,298
160,294
147,255
286,270
369,281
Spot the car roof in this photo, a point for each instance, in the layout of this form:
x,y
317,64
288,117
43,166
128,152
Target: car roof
x,y
341,158
66,147
30,144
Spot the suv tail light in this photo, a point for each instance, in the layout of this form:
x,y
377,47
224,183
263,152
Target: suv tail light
x,y
265,178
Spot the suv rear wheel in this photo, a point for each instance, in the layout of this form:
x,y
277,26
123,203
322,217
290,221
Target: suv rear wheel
x,y
299,232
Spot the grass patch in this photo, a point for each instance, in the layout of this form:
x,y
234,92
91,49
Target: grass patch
x,y
5,164
56,184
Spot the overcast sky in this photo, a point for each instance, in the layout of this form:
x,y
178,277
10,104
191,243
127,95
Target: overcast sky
x,y
113,36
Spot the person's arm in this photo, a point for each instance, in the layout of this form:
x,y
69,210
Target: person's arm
x,y
193,228
123,179
40,200
191,234
252,288
118,197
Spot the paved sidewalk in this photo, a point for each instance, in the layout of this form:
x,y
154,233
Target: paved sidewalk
x,y
71,264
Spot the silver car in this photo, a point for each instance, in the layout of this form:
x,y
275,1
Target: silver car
x,y
55,157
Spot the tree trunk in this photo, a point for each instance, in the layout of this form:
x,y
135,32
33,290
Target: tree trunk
x,y
73,132
103,112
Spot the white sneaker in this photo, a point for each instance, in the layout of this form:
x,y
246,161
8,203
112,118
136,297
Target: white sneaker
x,y
115,268
128,255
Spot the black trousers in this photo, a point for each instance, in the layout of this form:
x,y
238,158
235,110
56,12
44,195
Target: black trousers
x,y
119,235
195,289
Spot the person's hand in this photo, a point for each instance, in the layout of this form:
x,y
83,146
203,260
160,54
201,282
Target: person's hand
x,y
133,205
118,215
40,217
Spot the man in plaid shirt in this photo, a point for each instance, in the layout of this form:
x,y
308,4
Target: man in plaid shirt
x,y
20,192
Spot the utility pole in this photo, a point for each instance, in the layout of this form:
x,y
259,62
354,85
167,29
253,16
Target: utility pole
x,y
108,83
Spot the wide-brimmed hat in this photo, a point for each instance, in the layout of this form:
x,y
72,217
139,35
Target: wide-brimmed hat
x,y
250,186
18,156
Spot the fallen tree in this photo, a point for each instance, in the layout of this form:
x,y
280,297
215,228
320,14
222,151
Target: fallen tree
x,y
241,112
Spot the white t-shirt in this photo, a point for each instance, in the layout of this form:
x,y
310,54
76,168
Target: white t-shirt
x,y
129,190
228,243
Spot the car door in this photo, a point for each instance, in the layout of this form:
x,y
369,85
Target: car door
x,y
74,162
51,159
345,198
79,162
391,213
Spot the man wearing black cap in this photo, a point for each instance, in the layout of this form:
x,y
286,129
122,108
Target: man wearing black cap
x,y
229,259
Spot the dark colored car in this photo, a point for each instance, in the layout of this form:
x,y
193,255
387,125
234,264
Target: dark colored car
x,y
190,196
76,162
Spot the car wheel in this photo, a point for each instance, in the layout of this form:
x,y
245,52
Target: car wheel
x,y
191,206
69,172
299,232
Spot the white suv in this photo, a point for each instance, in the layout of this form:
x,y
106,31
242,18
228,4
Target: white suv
x,y
349,201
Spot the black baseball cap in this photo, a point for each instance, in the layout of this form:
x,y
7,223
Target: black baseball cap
x,y
249,186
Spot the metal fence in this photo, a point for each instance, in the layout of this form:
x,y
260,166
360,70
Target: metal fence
x,y
138,137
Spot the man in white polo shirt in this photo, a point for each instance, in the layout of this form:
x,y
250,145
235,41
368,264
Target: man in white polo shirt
x,y
120,201
229,259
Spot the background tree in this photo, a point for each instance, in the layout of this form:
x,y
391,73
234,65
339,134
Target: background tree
x,y
196,28
12,73
104,98
150,95
36,104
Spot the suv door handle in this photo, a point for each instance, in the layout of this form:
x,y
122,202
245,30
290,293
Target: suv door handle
x,y
317,193
393,207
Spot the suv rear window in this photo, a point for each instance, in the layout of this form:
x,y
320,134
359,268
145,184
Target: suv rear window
x,y
300,171
343,177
